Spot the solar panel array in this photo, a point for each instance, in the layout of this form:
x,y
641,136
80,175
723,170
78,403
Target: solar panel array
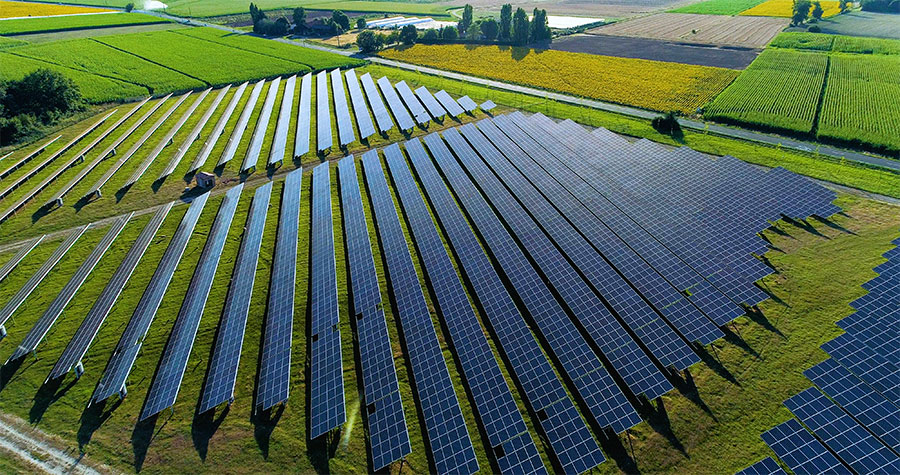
x,y
467,103
413,104
382,117
323,113
386,422
279,142
449,104
404,121
326,381
275,366
87,331
21,254
434,107
304,112
28,157
251,158
363,119
213,138
766,466
122,360
42,326
241,126
800,451
223,366
194,133
449,441
341,109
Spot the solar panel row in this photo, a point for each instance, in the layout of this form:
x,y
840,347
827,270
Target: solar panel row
x,y
404,121
570,441
467,104
19,298
413,104
23,252
449,441
251,158
122,359
382,118
279,142
223,367
448,103
27,158
868,365
241,126
323,113
42,326
434,107
213,138
766,466
274,373
360,110
165,385
326,382
194,133
386,422
304,111
341,109
800,451
495,407
87,331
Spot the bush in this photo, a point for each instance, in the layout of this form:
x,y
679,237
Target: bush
x,y
666,124
268,27
360,23
409,35
129,7
883,6
814,29
369,42
449,33
40,98
431,36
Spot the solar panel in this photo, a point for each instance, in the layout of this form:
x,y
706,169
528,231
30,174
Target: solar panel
x,y
607,404
122,359
467,103
766,466
304,110
448,103
279,143
363,119
434,107
341,109
223,366
323,113
57,199
397,108
95,189
274,373
251,158
852,444
195,133
164,389
496,408
388,435
800,451
27,158
382,117
487,105
53,156
241,126
23,251
869,366
326,383
449,441
570,441
166,140
42,326
213,137
19,298
413,104
87,331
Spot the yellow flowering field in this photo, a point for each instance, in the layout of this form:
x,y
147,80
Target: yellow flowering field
x,y
24,9
785,8
647,84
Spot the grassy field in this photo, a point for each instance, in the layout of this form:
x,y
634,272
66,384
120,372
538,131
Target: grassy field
x,y
10,9
78,22
210,8
94,88
10,42
651,85
864,24
718,7
836,43
784,8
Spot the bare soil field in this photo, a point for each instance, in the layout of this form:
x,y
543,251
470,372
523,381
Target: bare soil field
x,y
749,32
879,25
657,50
607,9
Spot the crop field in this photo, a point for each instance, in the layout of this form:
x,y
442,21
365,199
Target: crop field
x,y
865,24
718,7
861,104
784,8
836,43
803,41
749,32
78,22
656,50
651,85
94,88
9,9
9,42
210,8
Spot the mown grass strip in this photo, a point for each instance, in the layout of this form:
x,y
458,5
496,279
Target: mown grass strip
x,y
75,22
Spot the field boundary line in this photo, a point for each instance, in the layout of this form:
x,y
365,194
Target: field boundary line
x,y
150,61
148,88
311,69
815,127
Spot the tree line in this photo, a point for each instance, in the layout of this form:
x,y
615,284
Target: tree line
x,y
39,99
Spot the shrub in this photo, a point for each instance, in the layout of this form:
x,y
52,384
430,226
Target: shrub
x,y
360,23
449,33
666,124
814,29
129,7
369,42
430,36
409,35
490,29
40,98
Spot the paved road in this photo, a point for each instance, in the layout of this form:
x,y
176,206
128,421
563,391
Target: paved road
x,y
725,131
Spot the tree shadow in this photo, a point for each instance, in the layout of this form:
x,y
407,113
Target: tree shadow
x,y
203,427
47,394
92,418
711,359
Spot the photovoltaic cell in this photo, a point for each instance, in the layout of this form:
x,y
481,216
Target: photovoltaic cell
x,y
213,137
413,104
869,366
323,113
195,132
341,109
800,451
363,119
397,108
42,326
449,442
251,159
223,366
19,298
487,105
766,466
449,104
467,103
304,112
23,251
279,143
241,126
87,331
382,117
164,389
274,373
122,359
434,107
495,406
27,158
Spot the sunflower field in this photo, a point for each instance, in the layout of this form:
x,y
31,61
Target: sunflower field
x,y
25,9
653,85
785,8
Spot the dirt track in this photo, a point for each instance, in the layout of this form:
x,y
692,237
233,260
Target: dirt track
x,y
36,450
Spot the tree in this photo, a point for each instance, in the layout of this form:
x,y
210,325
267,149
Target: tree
x,y
256,14
474,31
520,27
505,22
392,38
299,18
449,33
539,29
360,23
340,19
801,11
466,21
430,36
44,94
817,10
129,7
666,124
369,42
490,28
268,27
409,34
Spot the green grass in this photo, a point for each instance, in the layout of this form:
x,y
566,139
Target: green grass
x,y
10,42
75,22
210,8
94,88
836,43
718,7
804,41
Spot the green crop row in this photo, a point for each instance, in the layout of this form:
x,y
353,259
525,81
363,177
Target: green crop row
x,y
94,88
75,22
779,90
836,43
718,7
